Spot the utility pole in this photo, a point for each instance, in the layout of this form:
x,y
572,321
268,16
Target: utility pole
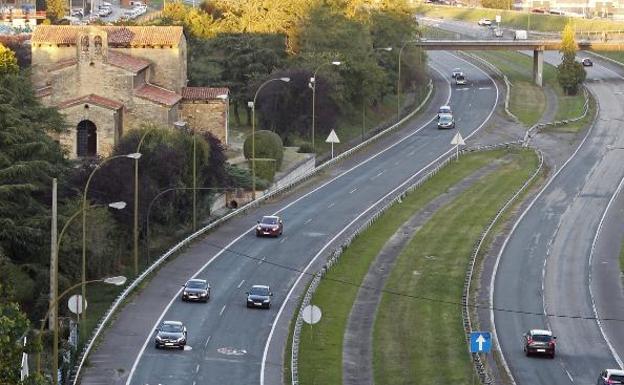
x,y
53,259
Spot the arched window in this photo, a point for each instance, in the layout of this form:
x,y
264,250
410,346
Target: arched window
x,y
86,139
84,43
97,44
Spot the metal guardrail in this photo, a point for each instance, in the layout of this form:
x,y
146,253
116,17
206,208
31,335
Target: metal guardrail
x,y
75,372
336,253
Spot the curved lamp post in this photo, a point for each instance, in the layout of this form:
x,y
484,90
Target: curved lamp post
x,y
312,85
117,281
135,156
253,133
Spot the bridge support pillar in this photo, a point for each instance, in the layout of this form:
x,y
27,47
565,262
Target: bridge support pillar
x,y
538,66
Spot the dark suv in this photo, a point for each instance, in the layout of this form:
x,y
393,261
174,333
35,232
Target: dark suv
x,y
537,341
196,290
271,225
259,296
170,334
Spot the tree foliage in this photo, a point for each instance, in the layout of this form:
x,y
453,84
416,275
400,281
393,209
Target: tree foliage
x,y
55,9
8,61
497,4
268,145
570,73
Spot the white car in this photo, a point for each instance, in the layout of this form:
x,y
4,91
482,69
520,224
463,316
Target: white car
x,y
485,22
611,376
455,72
444,110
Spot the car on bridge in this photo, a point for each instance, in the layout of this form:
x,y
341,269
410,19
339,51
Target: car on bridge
x,y
446,121
171,334
196,290
259,296
611,377
484,22
539,341
270,225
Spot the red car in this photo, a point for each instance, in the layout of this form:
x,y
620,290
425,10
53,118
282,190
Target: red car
x,y
537,341
271,225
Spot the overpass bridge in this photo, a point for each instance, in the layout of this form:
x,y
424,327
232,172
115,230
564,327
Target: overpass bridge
x,y
537,46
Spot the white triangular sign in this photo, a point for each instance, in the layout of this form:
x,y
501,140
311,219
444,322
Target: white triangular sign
x,y
332,138
458,140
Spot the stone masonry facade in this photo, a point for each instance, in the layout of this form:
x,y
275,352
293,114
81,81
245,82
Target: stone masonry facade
x,y
107,80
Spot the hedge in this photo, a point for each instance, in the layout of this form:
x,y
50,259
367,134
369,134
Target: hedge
x,y
265,168
268,145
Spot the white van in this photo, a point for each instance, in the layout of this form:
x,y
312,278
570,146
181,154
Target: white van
x,y
521,35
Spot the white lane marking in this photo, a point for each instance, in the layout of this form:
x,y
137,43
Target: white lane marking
x,y
502,249
305,270
462,89
261,260
352,191
331,205
197,368
379,174
283,239
307,221
411,152
485,88
194,382
589,277
222,310
397,163
207,341
240,284
569,375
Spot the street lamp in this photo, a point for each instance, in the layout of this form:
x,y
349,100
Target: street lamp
x,y
117,281
399,79
312,85
252,105
135,156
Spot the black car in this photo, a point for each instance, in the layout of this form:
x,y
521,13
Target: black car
x,y
196,290
259,296
587,62
537,341
271,225
170,334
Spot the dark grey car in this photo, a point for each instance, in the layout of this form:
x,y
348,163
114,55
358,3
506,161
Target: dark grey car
x,y
259,296
196,290
170,334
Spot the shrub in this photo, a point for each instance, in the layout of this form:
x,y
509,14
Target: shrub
x,y
268,145
265,169
305,148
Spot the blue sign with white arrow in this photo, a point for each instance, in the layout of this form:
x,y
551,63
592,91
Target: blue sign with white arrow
x,y
480,342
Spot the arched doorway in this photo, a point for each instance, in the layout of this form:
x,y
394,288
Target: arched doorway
x,y
86,136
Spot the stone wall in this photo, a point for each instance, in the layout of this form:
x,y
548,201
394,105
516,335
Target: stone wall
x,y
106,121
45,54
168,65
210,116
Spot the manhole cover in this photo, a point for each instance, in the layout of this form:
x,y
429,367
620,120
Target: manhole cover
x,y
228,351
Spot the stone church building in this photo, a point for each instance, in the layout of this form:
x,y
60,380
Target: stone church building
x,y
107,80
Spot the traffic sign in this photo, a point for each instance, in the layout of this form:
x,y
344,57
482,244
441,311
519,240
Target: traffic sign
x,y
75,303
498,18
480,342
332,138
311,314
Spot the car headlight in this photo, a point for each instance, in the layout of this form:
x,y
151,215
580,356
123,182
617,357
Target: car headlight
x,y
203,294
258,228
158,338
266,300
185,293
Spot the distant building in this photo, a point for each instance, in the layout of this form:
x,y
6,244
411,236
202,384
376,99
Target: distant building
x,y
19,15
109,79
613,9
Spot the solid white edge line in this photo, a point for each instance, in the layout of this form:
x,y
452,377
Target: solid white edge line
x,y
281,309
589,277
511,232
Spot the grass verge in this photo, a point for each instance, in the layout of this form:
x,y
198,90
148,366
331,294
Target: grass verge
x,y
422,340
619,56
320,355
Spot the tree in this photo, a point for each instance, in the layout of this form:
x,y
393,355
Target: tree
x,y
8,62
570,73
55,9
497,4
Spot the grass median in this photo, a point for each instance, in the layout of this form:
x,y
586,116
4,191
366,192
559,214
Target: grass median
x,y
419,336
320,355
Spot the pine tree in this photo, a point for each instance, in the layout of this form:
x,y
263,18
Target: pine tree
x,y
570,73
8,61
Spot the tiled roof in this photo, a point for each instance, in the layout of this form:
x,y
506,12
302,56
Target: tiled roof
x,y
117,35
43,91
92,99
62,64
203,93
128,62
157,94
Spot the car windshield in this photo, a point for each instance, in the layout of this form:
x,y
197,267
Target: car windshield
x,y
256,290
196,285
170,328
269,220
460,77
541,338
444,109
446,118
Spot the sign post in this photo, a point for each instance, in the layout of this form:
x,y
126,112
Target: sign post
x,y
332,138
457,141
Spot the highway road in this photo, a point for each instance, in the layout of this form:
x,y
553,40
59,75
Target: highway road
x,y
230,344
556,261
545,265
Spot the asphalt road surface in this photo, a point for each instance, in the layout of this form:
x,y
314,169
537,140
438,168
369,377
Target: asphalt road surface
x,y
231,344
545,266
